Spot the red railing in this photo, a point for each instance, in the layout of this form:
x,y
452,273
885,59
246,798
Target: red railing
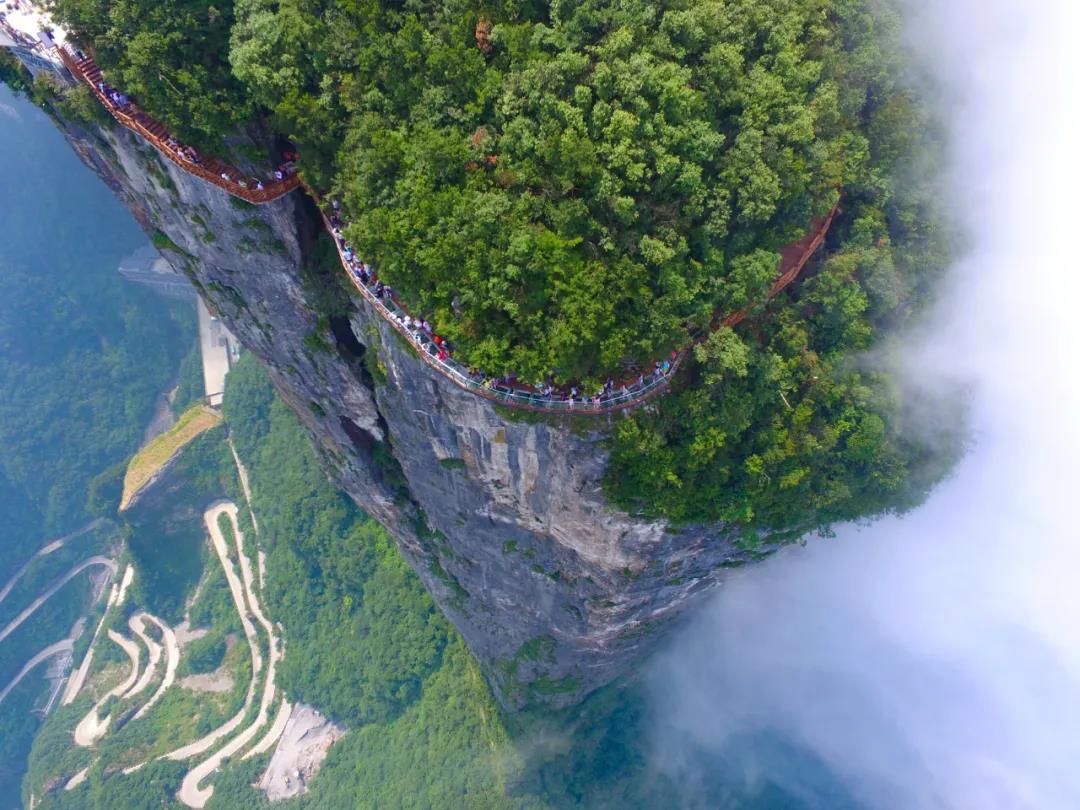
x,y
210,169
793,259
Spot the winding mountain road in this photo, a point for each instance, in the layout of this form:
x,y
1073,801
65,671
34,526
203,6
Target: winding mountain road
x,y
52,650
210,517
48,548
271,736
116,595
190,793
172,652
153,650
13,625
91,727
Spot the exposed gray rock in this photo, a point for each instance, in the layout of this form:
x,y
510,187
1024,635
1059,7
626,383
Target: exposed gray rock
x,y
555,591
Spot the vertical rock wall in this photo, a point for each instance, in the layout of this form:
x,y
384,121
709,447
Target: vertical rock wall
x,y
502,515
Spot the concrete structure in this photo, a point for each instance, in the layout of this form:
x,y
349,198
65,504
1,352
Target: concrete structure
x,y
31,36
145,266
219,352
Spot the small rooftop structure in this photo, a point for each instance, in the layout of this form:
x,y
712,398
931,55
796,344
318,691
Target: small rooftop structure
x,y
30,34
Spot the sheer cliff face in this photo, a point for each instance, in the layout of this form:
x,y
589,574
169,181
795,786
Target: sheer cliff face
x,y
554,590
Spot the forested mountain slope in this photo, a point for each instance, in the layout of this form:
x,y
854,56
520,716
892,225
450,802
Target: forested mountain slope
x,y
568,192
83,355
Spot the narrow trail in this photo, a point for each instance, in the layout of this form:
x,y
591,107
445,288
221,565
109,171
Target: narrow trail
x,y
52,650
210,518
116,595
92,727
13,625
48,548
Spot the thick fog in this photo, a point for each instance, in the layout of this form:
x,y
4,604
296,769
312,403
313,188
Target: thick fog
x,y
934,661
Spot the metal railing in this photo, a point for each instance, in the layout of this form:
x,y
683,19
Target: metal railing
x,y
489,388
207,168
627,395
793,260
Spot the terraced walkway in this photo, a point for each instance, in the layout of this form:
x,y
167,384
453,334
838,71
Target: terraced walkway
x,y
622,396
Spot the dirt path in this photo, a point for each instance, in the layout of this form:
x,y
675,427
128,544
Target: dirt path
x,y
53,649
172,649
91,727
210,517
153,650
48,548
13,625
79,678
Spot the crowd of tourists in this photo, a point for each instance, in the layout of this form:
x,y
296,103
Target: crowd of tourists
x,y
425,339
189,154
419,330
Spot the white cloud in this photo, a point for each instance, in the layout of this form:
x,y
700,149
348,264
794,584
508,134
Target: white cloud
x,y
934,661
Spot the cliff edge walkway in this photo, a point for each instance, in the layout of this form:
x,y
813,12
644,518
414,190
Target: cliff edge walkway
x,y
222,175
616,396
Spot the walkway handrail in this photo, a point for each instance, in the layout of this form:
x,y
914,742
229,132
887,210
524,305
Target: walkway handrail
x,y
793,259
134,119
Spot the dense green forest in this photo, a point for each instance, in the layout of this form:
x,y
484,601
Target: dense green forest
x,y
565,189
83,355
366,645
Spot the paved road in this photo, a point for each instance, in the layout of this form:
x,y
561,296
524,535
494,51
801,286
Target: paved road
x,y
153,650
91,727
13,625
271,737
172,650
48,548
77,679
53,649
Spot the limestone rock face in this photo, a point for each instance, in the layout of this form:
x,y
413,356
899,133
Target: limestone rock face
x,y
502,515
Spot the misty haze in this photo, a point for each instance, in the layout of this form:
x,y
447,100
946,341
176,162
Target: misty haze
x,y
933,660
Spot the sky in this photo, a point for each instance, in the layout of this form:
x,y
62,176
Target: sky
x,y
933,661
